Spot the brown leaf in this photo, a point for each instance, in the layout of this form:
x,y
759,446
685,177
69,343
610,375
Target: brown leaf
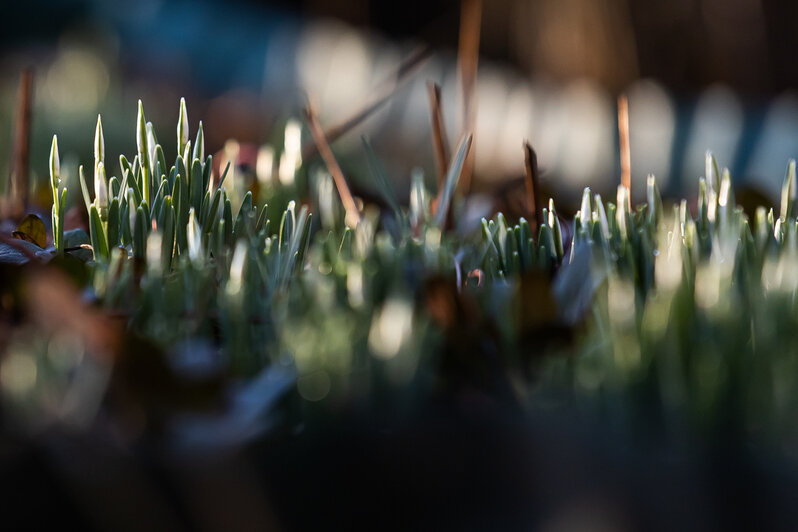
x,y
31,229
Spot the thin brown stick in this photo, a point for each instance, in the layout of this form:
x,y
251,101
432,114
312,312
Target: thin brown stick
x,y
323,146
533,195
386,89
439,139
623,135
22,126
467,63
79,248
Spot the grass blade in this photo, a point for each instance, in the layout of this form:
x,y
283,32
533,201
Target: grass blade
x,y
452,178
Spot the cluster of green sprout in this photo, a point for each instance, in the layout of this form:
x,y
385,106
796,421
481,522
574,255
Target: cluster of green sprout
x,y
692,317
680,318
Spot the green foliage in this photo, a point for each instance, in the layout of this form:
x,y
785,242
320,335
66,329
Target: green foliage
x,y
59,197
677,318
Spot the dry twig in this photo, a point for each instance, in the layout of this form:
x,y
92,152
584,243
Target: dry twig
x,y
532,188
385,90
319,137
623,135
21,157
439,139
467,63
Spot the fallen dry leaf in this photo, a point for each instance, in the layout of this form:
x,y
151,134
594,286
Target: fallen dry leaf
x,y
31,229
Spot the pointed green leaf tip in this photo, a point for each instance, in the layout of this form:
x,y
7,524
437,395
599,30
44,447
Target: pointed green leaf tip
x,y
654,199
100,185
144,155
199,144
711,170
194,236
182,127
788,192
726,194
84,188
152,140
452,177
99,143
55,164
585,209
141,138
58,202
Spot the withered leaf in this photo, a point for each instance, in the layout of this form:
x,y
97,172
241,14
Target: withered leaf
x,y
31,229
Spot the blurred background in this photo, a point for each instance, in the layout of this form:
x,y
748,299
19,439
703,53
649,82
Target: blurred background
x,y
699,74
